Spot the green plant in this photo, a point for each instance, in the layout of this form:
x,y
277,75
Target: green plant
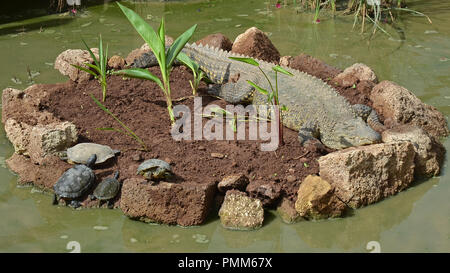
x,y
272,97
99,66
316,13
198,74
127,131
156,42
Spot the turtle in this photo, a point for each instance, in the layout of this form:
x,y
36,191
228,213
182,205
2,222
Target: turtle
x,y
155,169
107,190
75,182
80,153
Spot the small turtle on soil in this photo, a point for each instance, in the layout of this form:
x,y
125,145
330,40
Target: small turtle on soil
x,y
155,169
107,190
80,153
75,182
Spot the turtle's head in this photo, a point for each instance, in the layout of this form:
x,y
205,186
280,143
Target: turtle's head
x,y
91,160
354,132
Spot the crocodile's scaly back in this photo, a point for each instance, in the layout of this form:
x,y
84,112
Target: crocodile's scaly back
x,y
309,100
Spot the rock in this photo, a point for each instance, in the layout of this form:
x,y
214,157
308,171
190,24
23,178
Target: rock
x,y
354,74
116,62
316,199
217,155
429,152
400,106
168,41
366,174
254,43
310,65
41,140
78,57
137,157
287,212
241,212
43,176
50,139
134,55
24,106
291,179
233,182
267,192
10,96
285,61
184,204
18,134
217,40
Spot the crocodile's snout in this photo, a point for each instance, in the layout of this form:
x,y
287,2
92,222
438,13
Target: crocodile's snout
x,y
353,133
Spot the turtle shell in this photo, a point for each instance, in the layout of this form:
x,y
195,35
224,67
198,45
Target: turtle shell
x,y
81,152
107,189
74,182
154,168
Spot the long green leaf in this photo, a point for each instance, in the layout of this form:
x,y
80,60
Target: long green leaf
x,y
100,54
93,66
178,45
245,60
182,57
145,30
130,132
91,53
140,73
278,68
260,89
162,32
84,69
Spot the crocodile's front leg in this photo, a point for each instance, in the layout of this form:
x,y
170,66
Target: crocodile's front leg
x,y
369,115
236,92
308,132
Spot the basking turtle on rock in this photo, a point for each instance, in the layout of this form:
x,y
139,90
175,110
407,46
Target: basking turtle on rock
x,y
155,169
75,182
107,190
80,153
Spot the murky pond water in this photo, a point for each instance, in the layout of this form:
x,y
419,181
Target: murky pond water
x,y
417,56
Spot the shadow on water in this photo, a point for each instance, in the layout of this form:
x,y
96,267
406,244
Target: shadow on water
x,y
364,225
53,22
26,9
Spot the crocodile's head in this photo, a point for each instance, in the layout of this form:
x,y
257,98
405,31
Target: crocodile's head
x,y
354,132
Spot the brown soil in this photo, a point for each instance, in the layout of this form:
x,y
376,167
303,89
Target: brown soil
x,y
141,106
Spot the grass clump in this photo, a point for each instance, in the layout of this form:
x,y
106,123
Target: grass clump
x,y
99,67
272,96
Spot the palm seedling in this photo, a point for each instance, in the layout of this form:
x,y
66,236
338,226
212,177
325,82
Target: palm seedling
x,y
165,58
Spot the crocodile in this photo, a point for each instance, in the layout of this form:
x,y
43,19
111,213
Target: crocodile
x,y
314,108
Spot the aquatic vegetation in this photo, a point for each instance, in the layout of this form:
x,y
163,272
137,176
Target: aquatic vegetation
x,y
156,42
196,71
272,97
374,11
100,65
127,131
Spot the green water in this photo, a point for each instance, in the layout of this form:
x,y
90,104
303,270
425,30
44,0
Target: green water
x,y
416,220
